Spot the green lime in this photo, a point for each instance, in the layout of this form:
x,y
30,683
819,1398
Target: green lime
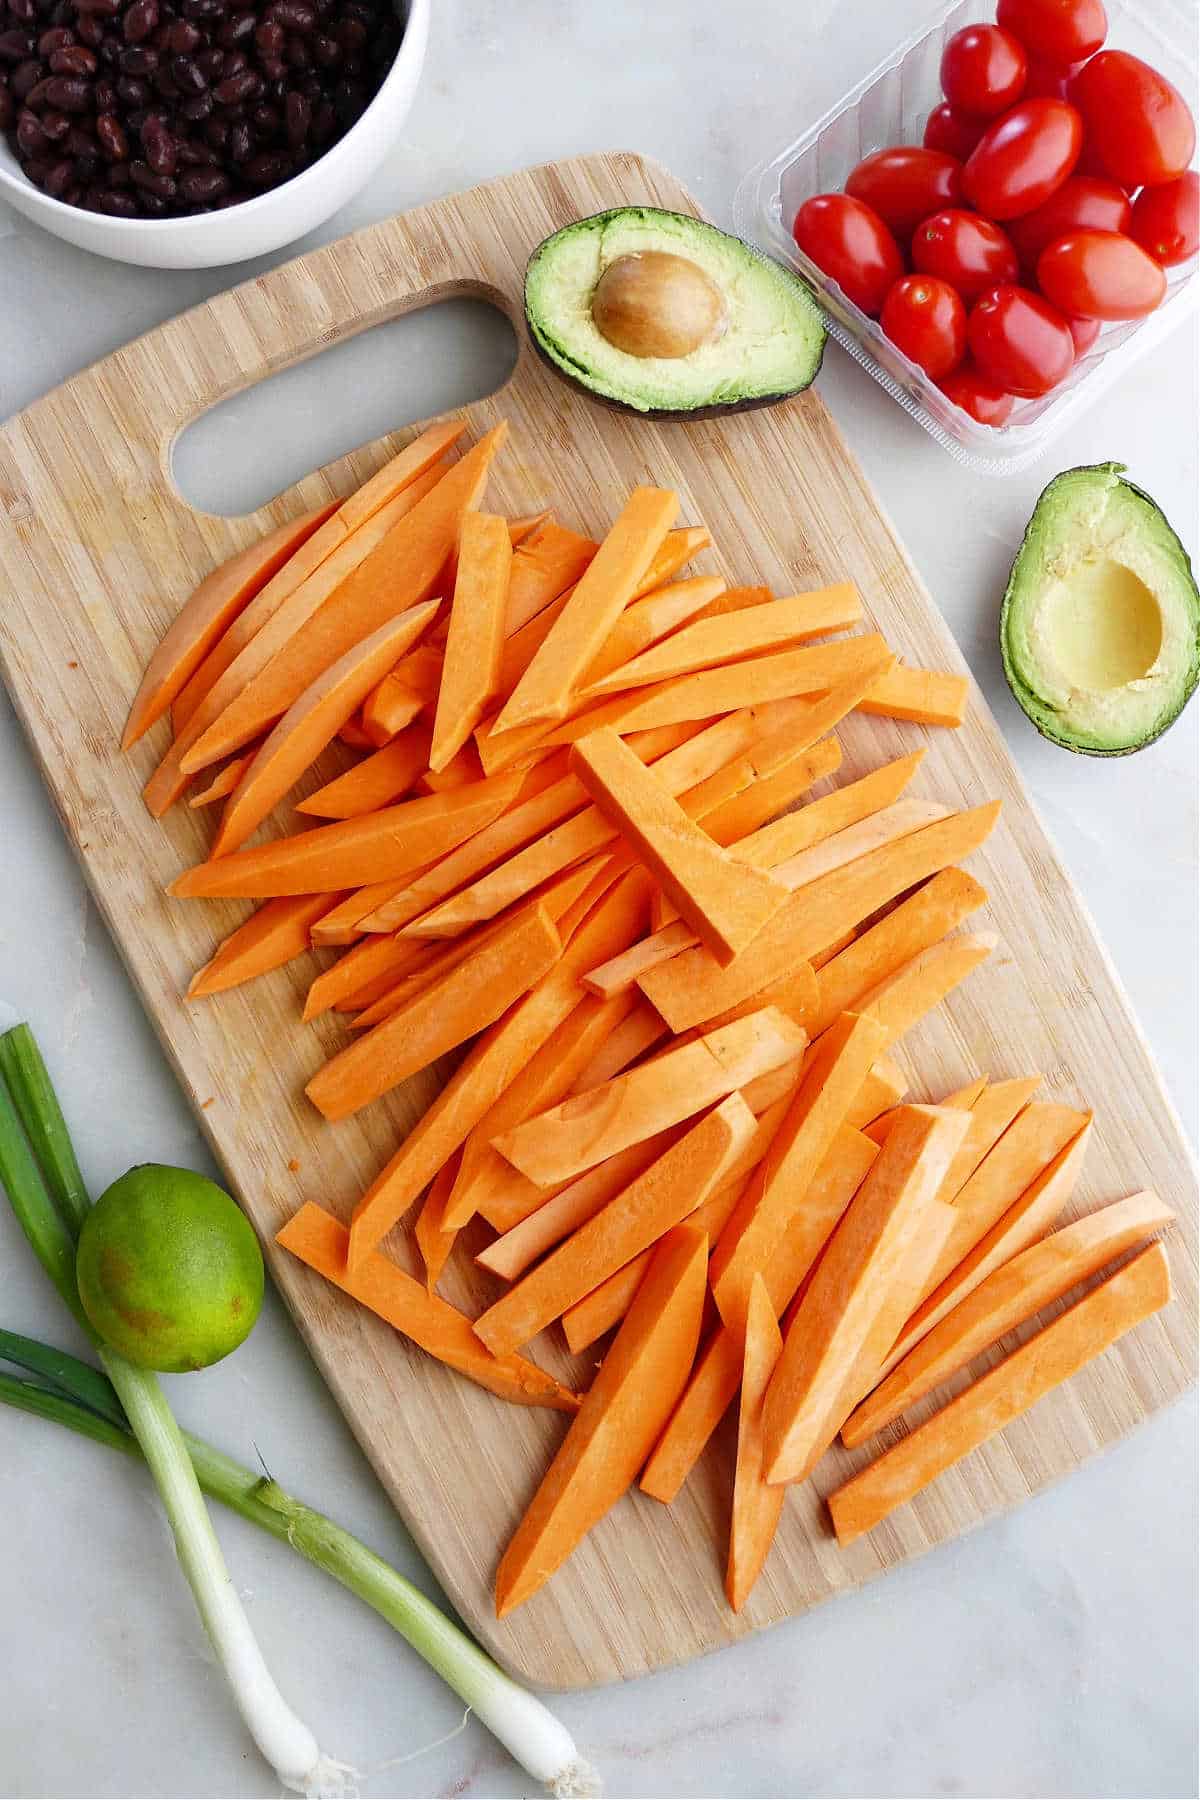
x,y
169,1270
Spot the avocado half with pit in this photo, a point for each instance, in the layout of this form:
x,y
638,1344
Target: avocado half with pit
x,y
669,317
1100,626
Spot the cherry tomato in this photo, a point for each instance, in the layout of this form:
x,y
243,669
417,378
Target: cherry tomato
x,y
1100,275
1138,124
1047,81
1019,341
1166,219
950,131
976,395
904,185
1023,157
983,70
926,319
967,251
1090,164
852,245
1056,31
1084,333
1082,203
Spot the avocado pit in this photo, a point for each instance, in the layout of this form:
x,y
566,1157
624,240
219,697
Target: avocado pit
x,y
654,303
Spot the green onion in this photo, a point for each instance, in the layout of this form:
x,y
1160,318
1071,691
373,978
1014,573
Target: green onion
x,y
28,1078
129,1413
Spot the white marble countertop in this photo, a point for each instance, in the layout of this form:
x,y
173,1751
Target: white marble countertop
x,y
1052,1653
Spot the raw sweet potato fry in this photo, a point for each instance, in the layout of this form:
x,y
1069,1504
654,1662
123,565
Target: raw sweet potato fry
x,y
321,1241
852,1288
735,637
547,563
644,622
991,1115
756,1506
475,639
274,933
208,612
621,1416
1031,1214
725,903
601,596
1139,1289
569,1138
913,990
378,958
919,695
533,1222
433,1241
217,683
694,986
379,780
311,722
921,920
665,1194
469,999
1009,1295
714,1381
352,851
225,779
401,572
834,1075
638,1032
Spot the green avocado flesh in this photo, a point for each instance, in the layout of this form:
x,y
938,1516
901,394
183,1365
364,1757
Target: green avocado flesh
x,y
771,345
1100,626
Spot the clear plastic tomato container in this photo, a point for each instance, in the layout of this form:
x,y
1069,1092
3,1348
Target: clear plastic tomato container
x,y
889,106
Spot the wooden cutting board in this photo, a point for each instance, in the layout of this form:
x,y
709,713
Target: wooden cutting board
x,y
97,550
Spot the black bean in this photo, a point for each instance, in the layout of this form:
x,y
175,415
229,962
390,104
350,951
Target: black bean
x,y
267,168
293,15
56,38
203,185
183,37
236,89
142,59
118,175
80,141
188,76
117,203
110,53
266,121
8,107
152,206
112,138
31,139
310,85
216,133
56,126
197,109
89,29
352,65
158,145
194,155
73,59
351,34
23,11
58,178
24,79
270,37
132,90
298,120
141,18
69,93
324,122
16,46
236,30
297,54
327,51
202,9
241,143
143,176
163,83
104,94
212,62
104,9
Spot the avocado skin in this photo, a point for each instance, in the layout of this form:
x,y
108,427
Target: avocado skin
x,y
559,363
1021,694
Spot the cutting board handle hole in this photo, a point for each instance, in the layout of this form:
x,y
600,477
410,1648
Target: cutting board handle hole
x,y
250,447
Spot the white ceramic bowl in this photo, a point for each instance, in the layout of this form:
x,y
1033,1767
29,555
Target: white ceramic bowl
x,y
258,225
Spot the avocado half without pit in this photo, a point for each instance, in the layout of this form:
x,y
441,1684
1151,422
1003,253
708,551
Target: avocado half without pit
x,y
1100,625
669,317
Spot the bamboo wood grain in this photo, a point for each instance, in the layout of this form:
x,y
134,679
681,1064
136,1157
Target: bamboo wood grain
x,y
97,552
